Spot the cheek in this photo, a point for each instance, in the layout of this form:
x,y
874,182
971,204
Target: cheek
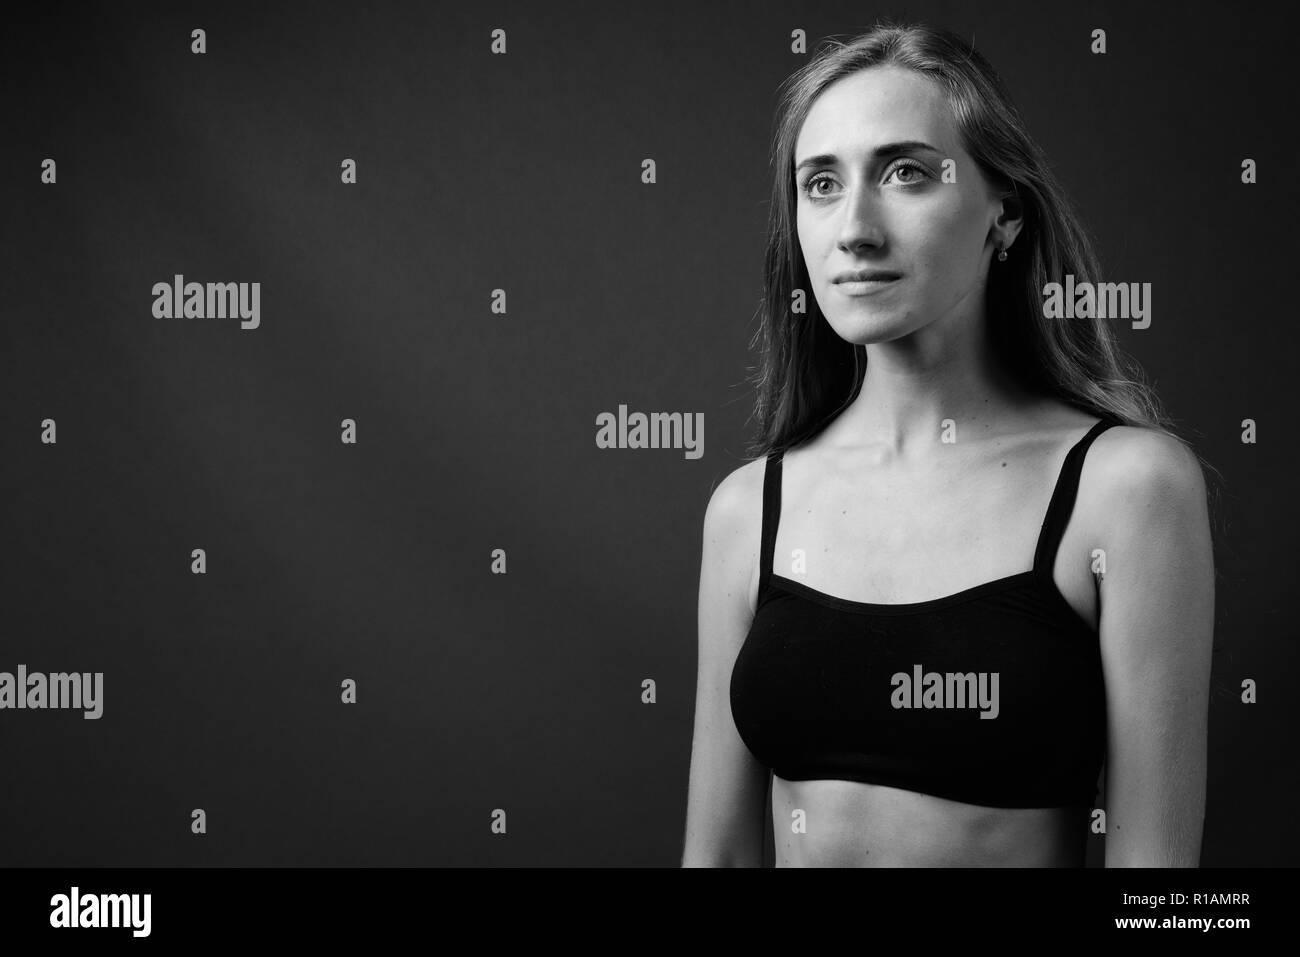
x,y
949,242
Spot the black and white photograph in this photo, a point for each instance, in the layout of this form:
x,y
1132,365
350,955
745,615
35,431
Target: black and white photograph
x,y
443,441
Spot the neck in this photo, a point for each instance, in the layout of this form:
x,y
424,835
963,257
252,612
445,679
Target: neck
x,y
915,383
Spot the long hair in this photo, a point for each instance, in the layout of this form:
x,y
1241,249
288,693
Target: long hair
x,y
807,374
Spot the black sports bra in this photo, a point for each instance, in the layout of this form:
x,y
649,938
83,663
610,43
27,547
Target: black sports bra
x,y
992,696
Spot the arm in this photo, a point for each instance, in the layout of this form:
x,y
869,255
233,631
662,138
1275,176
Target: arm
x,y
1157,627
727,788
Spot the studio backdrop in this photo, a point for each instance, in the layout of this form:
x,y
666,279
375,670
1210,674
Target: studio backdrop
x,y
333,339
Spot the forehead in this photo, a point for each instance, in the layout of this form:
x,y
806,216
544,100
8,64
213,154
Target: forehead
x,y
874,106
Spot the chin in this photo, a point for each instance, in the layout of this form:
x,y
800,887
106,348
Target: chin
x,y
866,330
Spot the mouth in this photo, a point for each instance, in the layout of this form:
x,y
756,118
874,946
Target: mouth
x,y
851,287
867,275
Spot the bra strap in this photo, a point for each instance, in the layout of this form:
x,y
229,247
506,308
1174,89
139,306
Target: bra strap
x,y
1062,502
771,515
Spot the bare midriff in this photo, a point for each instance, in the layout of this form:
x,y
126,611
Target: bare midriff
x,y
850,824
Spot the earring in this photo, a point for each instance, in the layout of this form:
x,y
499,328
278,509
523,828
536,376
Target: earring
x,y
1002,254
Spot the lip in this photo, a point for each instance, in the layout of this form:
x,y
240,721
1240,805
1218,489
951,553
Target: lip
x,y
866,275
849,288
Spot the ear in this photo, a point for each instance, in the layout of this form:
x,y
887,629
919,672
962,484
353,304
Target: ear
x,y
1009,221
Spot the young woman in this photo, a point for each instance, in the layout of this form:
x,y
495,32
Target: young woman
x,y
970,565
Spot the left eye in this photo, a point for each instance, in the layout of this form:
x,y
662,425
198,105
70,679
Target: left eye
x,y
916,170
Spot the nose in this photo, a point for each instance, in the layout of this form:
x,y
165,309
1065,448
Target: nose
x,y
860,226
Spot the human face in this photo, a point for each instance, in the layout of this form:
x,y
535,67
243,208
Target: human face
x,y
865,204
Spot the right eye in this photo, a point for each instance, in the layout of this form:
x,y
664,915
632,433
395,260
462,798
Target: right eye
x,y
810,184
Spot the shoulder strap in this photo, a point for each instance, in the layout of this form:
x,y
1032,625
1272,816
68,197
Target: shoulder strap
x,y
1062,502
771,515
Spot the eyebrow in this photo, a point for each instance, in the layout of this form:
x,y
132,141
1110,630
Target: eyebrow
x,y
880,152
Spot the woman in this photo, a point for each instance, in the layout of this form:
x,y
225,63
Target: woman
x,y
971,563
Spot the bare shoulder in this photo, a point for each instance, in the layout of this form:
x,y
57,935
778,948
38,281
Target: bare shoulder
x,y
733,525
1141,478
1137,462
1128,461
737,498
736,503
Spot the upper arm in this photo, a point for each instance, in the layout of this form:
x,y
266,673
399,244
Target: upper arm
x,y
727,788
1156,630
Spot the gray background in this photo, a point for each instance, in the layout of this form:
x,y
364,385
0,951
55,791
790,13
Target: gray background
x,y
476,431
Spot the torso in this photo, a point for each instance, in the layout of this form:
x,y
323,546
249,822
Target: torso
x,y
849,824
872,533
